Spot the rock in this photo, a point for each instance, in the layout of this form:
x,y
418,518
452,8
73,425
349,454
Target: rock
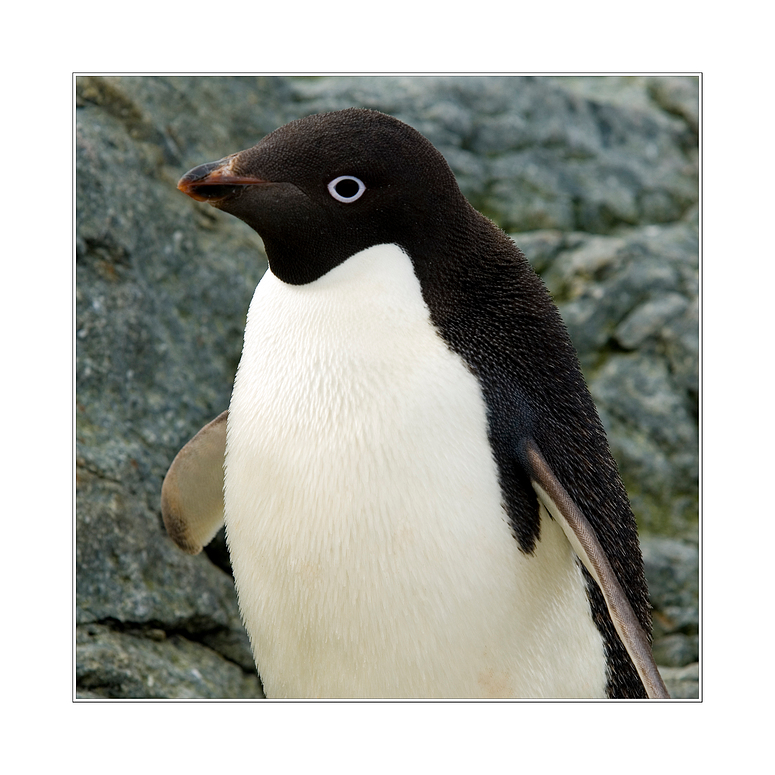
x,y
596,177
648,319
683,683
113,665
673,573
676,650
672,570
654,438
679,96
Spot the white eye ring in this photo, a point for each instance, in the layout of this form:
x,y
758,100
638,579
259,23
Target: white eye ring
x,y
346,199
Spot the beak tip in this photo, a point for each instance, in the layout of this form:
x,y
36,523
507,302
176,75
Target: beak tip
x,y
198,175
185,184
214,181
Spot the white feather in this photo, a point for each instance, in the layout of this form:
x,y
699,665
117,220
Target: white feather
x,y
371,550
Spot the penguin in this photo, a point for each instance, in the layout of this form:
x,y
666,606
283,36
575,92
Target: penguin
x,y
419,497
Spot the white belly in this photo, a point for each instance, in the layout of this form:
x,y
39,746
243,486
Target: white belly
x,y
371,551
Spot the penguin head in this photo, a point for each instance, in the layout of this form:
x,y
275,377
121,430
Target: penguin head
x,y
324,187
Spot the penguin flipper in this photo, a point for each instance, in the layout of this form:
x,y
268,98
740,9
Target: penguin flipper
x,y
192,492
582,538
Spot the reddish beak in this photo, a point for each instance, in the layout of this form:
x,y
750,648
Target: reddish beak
x,y
214,181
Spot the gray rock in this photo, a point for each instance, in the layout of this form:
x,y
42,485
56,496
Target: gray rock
x,y
116,665
648,319
681,344
672,570
683,683
163,285
654,438
676,650
679,96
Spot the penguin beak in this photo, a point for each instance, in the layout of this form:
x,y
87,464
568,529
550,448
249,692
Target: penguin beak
x,y
215,181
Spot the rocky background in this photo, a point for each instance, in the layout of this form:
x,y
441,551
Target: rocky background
x,y
596,178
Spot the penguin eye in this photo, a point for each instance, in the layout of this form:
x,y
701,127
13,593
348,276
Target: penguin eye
x,y
346,188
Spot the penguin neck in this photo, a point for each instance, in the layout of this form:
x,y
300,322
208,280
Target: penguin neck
x,y
368,295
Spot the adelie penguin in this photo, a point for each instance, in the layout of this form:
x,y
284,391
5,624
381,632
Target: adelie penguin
x,y
418,494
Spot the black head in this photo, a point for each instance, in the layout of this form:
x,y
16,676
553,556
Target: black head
x,y
322,188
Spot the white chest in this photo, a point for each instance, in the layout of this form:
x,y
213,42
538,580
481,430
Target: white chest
x,y
371,551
